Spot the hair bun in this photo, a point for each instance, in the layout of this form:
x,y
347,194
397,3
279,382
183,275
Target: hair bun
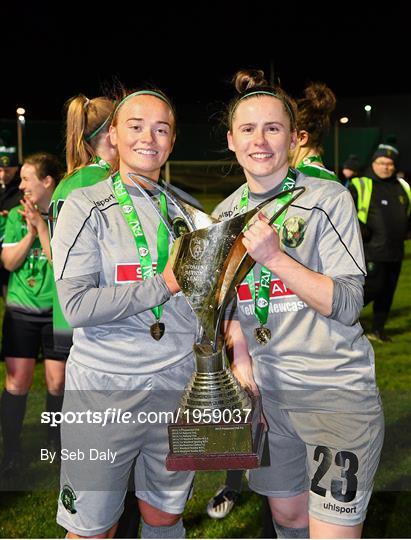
x,y
248,78
321,97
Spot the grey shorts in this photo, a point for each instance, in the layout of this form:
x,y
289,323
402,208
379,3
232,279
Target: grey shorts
x,y
97,459
334,455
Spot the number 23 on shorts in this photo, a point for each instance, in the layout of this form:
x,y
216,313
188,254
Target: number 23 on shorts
x,y
343,489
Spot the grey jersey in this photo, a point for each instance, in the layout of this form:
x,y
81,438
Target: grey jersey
x,y
312,361
101,290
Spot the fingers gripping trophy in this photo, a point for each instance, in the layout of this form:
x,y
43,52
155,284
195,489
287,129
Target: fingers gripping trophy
x,y
218,423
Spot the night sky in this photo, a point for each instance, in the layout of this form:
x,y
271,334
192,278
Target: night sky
x,y
50,54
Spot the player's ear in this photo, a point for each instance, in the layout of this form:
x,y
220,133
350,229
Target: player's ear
x,y
294,139
113,135
230,141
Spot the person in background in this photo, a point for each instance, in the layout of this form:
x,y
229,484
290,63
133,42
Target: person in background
x,y
10,196
294,332
351,168
313,121
27,321
383,203
89,159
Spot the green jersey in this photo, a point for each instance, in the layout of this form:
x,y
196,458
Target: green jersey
x,y
317,169
87,176
3,221
30,286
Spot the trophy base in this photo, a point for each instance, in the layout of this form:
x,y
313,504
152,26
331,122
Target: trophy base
x,y
225,459
214,447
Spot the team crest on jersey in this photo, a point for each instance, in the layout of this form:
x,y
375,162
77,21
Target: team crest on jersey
x,y
292,232
127,208
198,247
68,498
180,227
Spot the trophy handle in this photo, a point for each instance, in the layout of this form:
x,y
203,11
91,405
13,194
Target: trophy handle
x,y
195,218
246,262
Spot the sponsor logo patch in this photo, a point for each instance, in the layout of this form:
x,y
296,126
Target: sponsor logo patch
x,y
129,273
277,290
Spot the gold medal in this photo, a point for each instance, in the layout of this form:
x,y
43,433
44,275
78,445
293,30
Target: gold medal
x,y
157,330
262,335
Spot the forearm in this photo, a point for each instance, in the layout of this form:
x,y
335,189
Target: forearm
x,y
14,256
237,349
84,303
348,299
313,288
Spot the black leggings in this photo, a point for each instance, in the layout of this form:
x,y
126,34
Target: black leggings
x,y
380,285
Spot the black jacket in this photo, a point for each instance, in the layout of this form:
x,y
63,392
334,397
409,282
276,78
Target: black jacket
x,y
388,222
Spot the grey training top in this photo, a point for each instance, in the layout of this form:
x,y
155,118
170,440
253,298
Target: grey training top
x,y
101,292
312,361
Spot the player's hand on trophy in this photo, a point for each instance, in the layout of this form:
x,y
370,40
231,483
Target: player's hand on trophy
x,y
243,372
240,359
262,242
170,279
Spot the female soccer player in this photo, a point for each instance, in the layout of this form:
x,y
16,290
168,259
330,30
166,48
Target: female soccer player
x,y
132,342
313,121
27,320
89,158
295,333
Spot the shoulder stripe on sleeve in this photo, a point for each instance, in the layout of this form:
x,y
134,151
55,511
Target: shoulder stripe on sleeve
x,y
78,234
336,232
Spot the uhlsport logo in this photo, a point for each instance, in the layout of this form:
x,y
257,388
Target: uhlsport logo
x,y
340,509
292,232
198,247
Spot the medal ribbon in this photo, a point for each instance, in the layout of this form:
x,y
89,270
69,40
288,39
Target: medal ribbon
x,y
133,221
262,299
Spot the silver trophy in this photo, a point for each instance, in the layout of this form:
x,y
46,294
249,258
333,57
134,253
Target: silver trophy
x,y
219,422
